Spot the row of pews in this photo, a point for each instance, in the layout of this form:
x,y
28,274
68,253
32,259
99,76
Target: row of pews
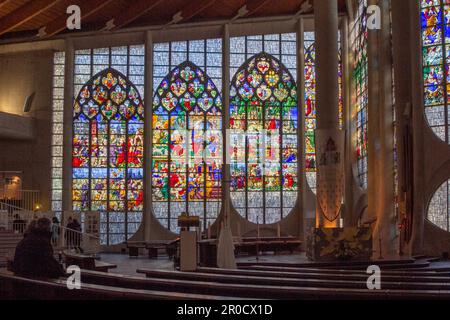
x,y
400,279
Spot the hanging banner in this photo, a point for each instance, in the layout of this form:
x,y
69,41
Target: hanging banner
x,y
330,171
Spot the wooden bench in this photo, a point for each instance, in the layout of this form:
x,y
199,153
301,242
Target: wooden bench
x,y
87,262
151,246
411,272
433,278
319,291
14,287
398,284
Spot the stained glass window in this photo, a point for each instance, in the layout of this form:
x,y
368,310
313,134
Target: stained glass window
x,y
57,131
360,86
263,142
108,128
187,146
438,209
310,106
435,19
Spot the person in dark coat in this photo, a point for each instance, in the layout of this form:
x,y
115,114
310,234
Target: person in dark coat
x,y
34,254
77,235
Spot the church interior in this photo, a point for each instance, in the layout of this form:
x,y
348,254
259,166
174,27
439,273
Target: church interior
x,y
224,149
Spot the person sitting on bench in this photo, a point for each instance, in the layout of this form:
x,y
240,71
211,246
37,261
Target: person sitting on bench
x,y
34,254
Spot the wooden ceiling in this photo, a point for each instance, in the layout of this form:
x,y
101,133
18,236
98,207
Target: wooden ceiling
x,y
25,20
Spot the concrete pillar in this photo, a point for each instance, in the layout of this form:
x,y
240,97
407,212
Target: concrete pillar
x,y
148,141
68,114
327,88
381,141
401,36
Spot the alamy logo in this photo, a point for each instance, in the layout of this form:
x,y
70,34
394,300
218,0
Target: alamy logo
x,y
373,17
74,280
374,280
74,20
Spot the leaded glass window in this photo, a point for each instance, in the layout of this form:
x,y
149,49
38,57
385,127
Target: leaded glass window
x,y
438,209
187,146
263,142
57,131
360,87
435,20
108,129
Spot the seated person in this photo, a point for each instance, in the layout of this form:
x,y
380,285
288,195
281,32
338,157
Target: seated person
x,y
34,254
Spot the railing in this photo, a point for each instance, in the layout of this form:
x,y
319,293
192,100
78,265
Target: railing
x,y
25,199
74,240
17,220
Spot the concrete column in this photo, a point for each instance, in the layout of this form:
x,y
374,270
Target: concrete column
x,y
327,88
226,200
381,140
67,131
148,141
302,184
418,201
401,36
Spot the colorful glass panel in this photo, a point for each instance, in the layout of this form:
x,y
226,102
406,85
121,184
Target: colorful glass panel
x,y
263,144
360,85
107,153
435,59
187,146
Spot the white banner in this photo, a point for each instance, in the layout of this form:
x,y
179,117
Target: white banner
x,y
330,145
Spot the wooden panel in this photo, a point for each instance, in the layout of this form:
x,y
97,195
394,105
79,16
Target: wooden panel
x,y
24,13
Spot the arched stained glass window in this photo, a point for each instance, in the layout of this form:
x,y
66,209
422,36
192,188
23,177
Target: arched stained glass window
x,y
263,116
310,106
187,147
360,87
107,161
435,19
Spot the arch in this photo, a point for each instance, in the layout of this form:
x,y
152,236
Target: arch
x,y
107,154
263,164
187,147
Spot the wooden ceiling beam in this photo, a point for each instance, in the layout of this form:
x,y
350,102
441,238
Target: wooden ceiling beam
x,y
135,11
24,14
4,3
191,10
88,8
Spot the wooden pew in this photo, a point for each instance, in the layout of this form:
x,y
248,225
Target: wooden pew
x,y
97,285
271,292
289,282
151,246
325,276
18,288
87,262
412,272
133,247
